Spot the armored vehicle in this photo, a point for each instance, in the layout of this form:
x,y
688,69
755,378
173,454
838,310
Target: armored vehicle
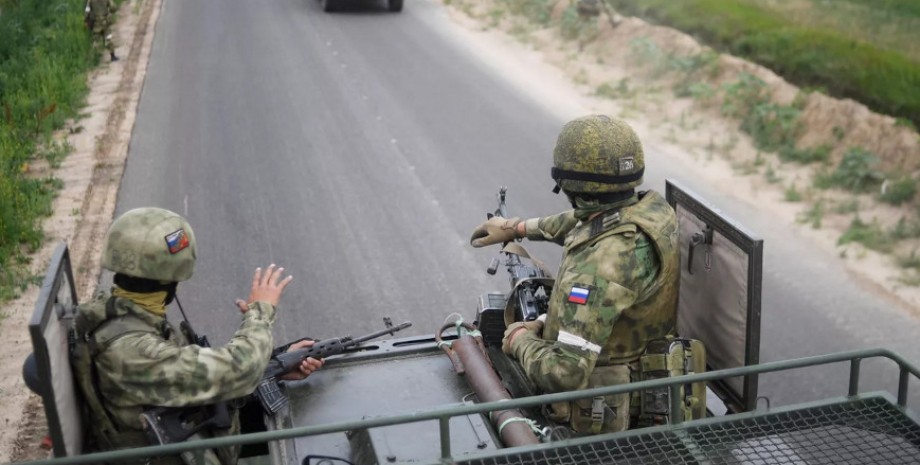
x,y
452,397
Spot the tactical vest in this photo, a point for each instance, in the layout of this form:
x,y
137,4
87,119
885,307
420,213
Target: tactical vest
x,y
652,316
91,337
654,312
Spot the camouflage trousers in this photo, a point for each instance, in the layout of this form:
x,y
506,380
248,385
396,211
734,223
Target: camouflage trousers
x,y
102,35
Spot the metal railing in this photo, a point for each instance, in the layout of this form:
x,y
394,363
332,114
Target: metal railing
x,y
443,415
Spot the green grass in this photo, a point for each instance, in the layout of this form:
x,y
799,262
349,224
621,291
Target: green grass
x,y
537,11
45,53
792,194
870,235
856,173
813,215
870,53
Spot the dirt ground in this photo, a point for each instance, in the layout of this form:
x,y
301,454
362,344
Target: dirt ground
x,y
563,74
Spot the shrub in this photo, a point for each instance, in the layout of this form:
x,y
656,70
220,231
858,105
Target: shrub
x,y
856,172
869,235
899,191
809,155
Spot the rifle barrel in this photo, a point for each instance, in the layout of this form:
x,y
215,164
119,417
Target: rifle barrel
x,y
380,333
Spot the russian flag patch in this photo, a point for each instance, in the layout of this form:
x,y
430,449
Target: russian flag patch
x,y
579,295
176,241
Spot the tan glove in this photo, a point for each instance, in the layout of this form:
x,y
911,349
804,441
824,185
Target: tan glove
x,y
495,230
536,326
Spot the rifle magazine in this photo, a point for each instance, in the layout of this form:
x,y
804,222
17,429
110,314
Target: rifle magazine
x,y
271,396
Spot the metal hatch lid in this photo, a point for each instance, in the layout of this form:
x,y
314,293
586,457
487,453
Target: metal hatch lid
x,y
49,329
720,290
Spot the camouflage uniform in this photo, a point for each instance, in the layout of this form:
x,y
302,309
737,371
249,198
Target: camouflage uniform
x,y
127,357
143,361
98,18
617,284
628,273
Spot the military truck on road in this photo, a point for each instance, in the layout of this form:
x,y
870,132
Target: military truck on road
x,y
452,397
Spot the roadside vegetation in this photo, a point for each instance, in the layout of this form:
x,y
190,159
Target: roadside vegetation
x,y
45,54
849,170
867,51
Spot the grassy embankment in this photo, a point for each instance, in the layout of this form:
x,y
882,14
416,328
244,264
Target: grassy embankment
x,y
45,53
867,51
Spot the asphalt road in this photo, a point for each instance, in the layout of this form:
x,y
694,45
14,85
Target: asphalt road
x,y
359,149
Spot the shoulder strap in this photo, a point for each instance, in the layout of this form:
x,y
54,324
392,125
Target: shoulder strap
x,y
114,327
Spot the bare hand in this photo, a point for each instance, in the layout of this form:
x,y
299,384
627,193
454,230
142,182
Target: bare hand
x,y
306,367
267,286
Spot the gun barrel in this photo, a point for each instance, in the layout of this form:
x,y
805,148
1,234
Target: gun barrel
x,y
380,333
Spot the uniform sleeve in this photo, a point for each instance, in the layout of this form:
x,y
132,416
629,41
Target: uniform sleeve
x,y
553,366
152,371
550,228
566,363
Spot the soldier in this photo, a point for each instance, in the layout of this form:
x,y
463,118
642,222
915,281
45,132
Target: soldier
x,y
134,359
98,14
617,284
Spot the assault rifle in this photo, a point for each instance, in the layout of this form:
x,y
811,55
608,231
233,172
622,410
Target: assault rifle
x,y
269,392
165,425
529,290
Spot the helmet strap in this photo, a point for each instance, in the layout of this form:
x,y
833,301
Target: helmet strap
x,y
171,293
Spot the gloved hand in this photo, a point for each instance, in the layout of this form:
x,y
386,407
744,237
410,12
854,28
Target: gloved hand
x,y
536,326
495,230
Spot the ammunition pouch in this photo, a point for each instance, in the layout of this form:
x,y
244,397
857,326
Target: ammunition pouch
x,y
664,358
603,414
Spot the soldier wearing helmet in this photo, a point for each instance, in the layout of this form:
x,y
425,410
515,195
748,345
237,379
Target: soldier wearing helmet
x,y
130,358
617,284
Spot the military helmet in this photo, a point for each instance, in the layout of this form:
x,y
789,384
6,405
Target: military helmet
x,y
150,243
597,154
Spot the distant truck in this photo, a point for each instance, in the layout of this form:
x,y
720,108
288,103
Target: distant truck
x,y
333,5
407,400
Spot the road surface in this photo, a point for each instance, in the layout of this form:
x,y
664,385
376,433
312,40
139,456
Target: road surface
x,y
359,149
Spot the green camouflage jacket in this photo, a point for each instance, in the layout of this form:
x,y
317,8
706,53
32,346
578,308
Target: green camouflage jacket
x,y
616,289
149,363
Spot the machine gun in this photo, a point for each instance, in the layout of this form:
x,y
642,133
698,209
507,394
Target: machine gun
x,y
530,296
530,286
269,392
